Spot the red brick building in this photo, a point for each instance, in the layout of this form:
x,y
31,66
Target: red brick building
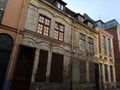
x,y
115,31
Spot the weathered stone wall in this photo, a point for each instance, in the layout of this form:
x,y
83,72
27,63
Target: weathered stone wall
x,y
80,60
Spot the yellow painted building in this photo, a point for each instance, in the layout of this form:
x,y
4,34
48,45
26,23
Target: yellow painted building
x,y
106,59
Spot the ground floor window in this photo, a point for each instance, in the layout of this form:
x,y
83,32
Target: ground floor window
x,y
82,71
56,71
42,66
111,73
106,72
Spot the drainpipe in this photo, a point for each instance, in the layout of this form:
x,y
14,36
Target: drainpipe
x,y
15,47
72,53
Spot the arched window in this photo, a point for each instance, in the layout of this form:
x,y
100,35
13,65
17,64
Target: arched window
x,y
6,44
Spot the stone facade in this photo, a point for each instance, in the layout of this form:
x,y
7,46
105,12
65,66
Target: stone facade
x,y
78,71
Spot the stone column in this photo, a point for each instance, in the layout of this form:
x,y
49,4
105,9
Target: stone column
x,y
66,62
103,74
36,61
87,71
114,76
109,74
48,66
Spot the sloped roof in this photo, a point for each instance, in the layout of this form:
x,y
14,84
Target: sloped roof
x,y
69,12
87,18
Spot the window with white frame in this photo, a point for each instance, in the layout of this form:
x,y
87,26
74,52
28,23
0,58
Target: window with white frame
x,y
59,31
106,72
104,45
82,42
60,6
80,18
109,47
43,25
90,24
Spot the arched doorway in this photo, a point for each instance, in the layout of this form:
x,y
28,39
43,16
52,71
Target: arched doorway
x,y
6,44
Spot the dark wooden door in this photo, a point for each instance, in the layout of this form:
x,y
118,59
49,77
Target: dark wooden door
x,y
42,66
23,69
56,73
97,78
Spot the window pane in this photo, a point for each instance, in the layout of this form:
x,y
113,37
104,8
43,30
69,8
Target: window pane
x,y
61,7
61,36
46,31
90,46
109,48
58,5
56,34
104,45
47,22
82,42
56,26
61,28
40,28
43,25
59,31
41,19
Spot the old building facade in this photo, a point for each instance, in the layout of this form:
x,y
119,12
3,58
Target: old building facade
x,y
56,49
12,17
106,60
62,49
47,35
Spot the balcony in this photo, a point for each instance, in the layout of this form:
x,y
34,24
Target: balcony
x,y
1,15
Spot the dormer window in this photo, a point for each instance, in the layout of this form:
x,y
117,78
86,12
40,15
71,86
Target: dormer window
x,y
80,18
60,6
90,24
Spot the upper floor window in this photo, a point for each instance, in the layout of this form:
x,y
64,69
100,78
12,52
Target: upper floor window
x,y
43,25
59,31
90,24
90,45
60,6
82,42
80,18
104,45
109,48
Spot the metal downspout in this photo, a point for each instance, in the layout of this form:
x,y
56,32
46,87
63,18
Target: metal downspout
x,y
72,52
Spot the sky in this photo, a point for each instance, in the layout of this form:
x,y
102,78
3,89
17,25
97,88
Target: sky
x,y
104,10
